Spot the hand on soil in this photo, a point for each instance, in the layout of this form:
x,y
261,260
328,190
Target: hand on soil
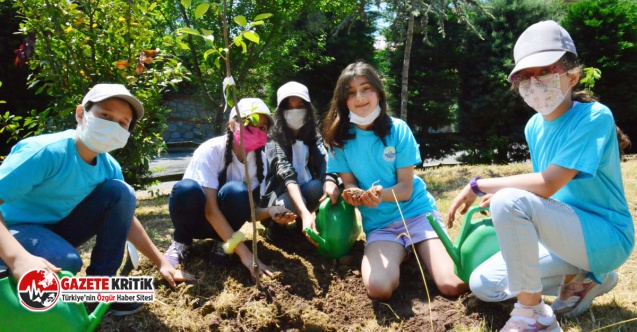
x,y
281,215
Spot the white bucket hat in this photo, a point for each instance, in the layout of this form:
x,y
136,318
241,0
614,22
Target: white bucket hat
x,y
249,106
292,89
540,45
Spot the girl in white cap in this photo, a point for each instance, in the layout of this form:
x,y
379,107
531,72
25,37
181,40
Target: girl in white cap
x,y
212,199
571,209
297,161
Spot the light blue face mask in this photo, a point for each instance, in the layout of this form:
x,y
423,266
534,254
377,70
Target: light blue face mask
x,y
101,135
364,120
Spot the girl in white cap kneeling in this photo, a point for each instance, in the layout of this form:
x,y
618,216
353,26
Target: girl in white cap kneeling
x,y
565,227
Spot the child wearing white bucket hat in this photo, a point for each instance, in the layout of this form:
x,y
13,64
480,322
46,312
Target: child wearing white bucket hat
x,y
212,202
297,162
566,227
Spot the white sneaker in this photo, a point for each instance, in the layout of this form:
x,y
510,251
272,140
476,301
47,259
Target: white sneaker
x,y
526,320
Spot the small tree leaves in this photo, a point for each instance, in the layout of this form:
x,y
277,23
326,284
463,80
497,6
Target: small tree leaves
x,y
189,31
186,3
208,52
262,16
251,36
241,20
201,10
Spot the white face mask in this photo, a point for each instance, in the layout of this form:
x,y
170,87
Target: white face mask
x,y
544,97
364,120
101,135
295,118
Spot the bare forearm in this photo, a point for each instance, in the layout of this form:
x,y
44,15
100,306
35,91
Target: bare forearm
x,y
297,197
537,183
142,242
402,190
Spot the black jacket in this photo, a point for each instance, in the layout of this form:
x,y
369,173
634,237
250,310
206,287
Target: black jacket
x,y
281,171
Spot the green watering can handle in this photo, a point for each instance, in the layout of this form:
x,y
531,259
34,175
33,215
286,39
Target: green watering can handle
x,y
473,209
444,239
96,316
315,237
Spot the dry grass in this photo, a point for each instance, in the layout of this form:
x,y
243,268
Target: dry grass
x,y
209,303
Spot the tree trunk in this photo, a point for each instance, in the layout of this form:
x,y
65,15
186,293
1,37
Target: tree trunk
x,y
404,97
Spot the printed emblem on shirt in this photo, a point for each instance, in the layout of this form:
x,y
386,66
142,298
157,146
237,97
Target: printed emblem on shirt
x,y
389,154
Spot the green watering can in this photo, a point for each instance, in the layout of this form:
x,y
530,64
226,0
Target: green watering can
x,y
337,227
475,243
63,316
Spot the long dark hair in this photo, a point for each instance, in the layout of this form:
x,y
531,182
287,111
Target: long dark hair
x,y
283,135
337,124
227,157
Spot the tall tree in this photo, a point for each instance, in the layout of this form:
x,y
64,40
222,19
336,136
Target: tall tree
x,y
401,11
613,51
490,116
72,47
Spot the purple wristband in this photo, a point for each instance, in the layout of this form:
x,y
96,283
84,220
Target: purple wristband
x,y
474,186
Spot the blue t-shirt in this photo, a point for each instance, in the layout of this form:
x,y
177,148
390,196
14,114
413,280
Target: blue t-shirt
x,y
374,163
584,139
44,178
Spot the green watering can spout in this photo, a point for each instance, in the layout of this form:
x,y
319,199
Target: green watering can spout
x,y
338,228
446,241
95,318
316,238
476,242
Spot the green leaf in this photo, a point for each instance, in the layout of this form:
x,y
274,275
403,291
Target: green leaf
x,y
208,52
243,46
218,63
186,3
2,102
189,31
262,16
241,20
251,36
255,23
183,45
201,10
206,32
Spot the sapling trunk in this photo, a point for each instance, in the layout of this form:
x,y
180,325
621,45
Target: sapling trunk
x,y
255,257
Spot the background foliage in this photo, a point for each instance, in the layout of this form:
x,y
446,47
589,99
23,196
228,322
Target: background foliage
x,y
459,99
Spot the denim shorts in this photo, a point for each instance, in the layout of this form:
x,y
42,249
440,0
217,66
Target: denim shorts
x,y
419,230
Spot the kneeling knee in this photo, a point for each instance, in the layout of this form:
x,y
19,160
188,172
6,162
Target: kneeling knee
x,y
452,288
380,291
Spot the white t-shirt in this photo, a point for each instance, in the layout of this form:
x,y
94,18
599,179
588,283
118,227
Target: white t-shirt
x,y
208,161
300,158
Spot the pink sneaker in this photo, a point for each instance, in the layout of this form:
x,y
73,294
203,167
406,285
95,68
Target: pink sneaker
x,y
526,320
577,296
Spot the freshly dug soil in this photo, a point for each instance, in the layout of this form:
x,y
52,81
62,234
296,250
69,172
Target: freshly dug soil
x,y
307,293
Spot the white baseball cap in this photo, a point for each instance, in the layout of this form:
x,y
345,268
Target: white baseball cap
x,y
104,91
249,106
292,89
540,45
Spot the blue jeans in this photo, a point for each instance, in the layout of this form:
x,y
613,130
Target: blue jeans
x,y
107,214
187,208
